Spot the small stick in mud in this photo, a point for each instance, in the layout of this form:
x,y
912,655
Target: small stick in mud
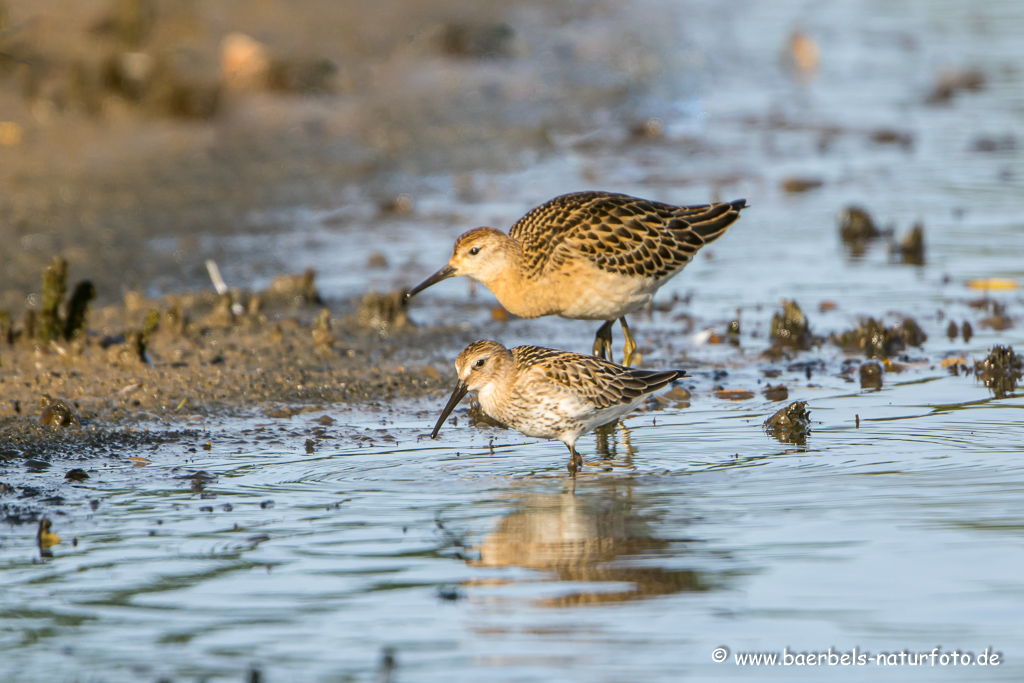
x,y
221,286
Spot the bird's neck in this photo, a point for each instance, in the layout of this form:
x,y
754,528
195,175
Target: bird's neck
x,y
495,394
520,295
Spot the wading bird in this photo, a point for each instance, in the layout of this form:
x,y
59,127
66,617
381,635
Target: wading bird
x,y
550,394
588,256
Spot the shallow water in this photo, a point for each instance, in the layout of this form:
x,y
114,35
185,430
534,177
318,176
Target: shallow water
x,y
474,557
473,563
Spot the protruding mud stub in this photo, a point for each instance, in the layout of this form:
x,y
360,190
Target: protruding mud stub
x,y
967,331
132,351
871,375
303,74
151,323
857,229
910,249
322,337
130,21
49,325
796,185
951,82
28,324
778,392
385,313
76,474
293,290
476,40
998,320
792,424
1000,371
952,331
6,328
57,413
55,285
222,314
872,338
78,307
790,328
176,322
732,332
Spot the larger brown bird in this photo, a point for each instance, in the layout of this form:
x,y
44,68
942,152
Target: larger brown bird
x,y
587,256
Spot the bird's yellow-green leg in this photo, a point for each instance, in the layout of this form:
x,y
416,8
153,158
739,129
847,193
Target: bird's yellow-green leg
x,y
575,461
629,352
603,341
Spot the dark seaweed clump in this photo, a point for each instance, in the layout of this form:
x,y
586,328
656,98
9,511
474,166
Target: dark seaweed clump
x,y
910,249
790,327
872,338
1000,371
792,424
871,375
857,229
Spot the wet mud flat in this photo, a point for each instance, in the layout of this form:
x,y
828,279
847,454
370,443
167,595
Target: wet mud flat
x,y
108,387
184,373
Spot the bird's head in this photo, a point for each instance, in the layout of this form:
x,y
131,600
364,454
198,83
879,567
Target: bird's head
x,y
479,366
483,254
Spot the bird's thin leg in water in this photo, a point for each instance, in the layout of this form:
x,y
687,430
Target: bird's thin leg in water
x,y
603,341
629,353
575,461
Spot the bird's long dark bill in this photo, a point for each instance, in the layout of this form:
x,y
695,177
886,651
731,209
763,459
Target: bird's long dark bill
x,y
442,274
457,395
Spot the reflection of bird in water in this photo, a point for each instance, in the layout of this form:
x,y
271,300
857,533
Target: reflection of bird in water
x,y
588,256
802,55
607,447
550,394
580,538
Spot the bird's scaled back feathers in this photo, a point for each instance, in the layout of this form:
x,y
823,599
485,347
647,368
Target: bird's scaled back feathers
x,y
593,380
619,233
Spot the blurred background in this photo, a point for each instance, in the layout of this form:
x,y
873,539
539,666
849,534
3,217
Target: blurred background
x,y
140,137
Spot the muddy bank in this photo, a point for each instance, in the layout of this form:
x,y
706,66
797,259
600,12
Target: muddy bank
x,y
193,356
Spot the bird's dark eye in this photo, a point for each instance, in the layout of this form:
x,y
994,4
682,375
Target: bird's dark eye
x,y
474,251
479,363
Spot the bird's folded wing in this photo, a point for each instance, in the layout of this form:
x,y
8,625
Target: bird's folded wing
x,y
619,234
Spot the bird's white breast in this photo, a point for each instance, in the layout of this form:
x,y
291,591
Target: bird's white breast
x,y
595,294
